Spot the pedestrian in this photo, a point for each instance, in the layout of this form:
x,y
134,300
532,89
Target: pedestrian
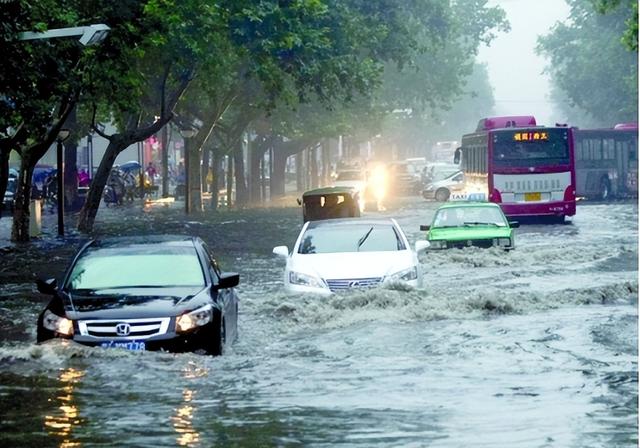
x,y
151,172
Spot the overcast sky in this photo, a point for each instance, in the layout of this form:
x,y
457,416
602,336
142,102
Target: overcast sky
x,y
515,70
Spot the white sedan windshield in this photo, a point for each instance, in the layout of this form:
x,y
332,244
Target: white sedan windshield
x,y
351,238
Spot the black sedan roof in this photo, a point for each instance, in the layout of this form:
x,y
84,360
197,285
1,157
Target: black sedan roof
x,y
174,240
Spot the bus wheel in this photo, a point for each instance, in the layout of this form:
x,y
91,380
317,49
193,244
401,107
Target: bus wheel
x,y
605,189
442,195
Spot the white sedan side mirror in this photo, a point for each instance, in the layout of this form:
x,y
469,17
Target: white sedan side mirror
x,y
422,245
281,251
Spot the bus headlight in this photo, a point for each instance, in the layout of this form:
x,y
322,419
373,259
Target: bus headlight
x,y
196,318
60,325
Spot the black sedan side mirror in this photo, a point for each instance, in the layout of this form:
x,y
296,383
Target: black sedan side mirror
x,y
228,280
514,224
47,286
424,227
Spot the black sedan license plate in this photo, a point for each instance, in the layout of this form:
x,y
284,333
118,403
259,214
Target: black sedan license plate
x,y
127,345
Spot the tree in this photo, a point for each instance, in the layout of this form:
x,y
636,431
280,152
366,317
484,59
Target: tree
x,y
630,35
588,63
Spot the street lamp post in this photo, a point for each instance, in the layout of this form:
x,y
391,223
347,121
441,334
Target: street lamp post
x,y
62,136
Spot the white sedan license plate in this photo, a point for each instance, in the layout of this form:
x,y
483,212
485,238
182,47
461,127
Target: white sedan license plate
x,y
127,345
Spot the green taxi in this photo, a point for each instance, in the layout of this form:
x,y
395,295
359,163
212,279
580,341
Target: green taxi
x,y
470,224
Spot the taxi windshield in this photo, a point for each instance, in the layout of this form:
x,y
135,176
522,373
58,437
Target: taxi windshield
x,y
469,216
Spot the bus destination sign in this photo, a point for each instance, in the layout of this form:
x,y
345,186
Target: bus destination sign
x,y
530,136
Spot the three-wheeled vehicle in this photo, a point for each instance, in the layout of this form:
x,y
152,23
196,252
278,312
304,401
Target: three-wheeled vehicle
x,y
330,203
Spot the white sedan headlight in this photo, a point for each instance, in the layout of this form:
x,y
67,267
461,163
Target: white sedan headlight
x,y
196,318
405,275
53,322
298,278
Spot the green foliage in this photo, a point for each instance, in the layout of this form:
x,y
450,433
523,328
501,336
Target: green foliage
x,y
588,63
630,35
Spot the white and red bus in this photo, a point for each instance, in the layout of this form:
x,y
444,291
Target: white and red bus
x,y
607,162
528,169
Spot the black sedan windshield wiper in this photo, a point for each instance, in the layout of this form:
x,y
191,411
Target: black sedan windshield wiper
x,y
364,238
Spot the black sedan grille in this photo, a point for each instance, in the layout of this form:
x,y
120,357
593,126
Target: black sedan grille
x,y
345,284
124,328
484,243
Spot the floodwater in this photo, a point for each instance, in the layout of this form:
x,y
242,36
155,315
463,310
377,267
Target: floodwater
x,y
532,348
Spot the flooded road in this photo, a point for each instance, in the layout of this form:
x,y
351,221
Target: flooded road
x,y
532,348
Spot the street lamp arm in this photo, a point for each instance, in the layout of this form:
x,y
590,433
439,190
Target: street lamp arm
x,y
89,35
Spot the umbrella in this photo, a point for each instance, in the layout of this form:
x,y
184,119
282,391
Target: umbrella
x,y
130,166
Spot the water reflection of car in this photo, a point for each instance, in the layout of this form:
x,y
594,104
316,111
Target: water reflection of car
x,y
441,187
143,293
465,224
337,255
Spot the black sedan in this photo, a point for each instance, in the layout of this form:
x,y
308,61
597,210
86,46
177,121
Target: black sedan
x,y
143,293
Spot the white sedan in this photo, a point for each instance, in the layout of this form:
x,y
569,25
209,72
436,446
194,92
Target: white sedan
x,y
339,254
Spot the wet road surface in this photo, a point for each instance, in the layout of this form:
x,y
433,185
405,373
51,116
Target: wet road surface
x,y
532,348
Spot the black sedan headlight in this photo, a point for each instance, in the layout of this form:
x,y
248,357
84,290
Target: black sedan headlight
x,y
58,324
194,319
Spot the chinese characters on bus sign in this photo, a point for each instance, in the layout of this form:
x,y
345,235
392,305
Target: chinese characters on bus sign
x,y
530,136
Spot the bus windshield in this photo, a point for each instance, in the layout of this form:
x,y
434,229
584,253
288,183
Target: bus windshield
x,y
531,147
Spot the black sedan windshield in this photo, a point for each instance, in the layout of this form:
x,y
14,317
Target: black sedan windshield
x,y
136,266
351,238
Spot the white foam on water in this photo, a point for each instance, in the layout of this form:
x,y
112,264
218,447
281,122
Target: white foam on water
x,y
409,305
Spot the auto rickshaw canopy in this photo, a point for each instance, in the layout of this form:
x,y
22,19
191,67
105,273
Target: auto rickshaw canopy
x,y
330,203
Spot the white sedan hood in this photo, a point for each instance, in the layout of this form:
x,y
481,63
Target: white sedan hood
x,y
352,265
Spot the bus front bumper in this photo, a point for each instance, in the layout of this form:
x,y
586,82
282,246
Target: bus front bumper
x,y
555,208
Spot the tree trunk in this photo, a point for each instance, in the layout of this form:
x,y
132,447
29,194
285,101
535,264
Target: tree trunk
x,y
313,162
21,213
70,174
278,176
230,177
326,162
300,171
255,152
214,187
165,161
206,165
71,163
89,210
241,185
195,179
263,193
4,175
